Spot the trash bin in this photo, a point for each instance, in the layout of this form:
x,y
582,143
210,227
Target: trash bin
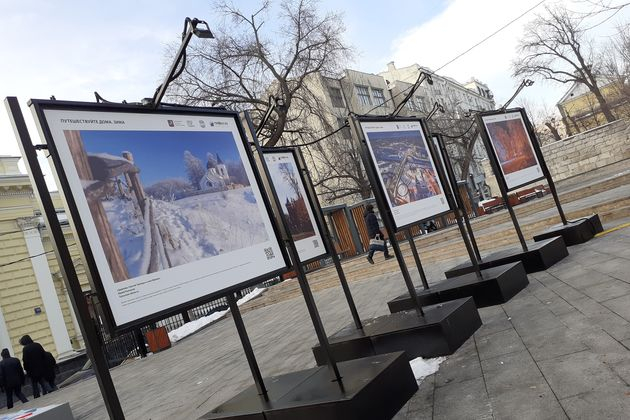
x,y
157,339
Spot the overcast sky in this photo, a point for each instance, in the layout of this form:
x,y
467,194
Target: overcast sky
x,y
72,48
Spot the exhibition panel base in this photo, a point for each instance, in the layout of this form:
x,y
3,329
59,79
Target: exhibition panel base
x,y
440,332
575,232
375,387
497,285
540,256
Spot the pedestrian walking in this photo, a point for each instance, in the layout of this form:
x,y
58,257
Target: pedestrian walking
x,y
34,359
375,234
51,371
11,377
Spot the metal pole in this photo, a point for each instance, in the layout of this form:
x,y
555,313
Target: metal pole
x,y
416,258
92,344
386,216
450,173
328,241
247,346
543,166
295,258
501,181
453,196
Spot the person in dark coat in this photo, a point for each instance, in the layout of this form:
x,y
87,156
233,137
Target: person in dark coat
x,y
34,359
51,370
11,377
373,230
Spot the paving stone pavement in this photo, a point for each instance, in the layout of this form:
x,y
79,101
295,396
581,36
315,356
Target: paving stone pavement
x,y
559,349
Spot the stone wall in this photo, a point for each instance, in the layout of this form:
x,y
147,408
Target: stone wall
x,y
589,150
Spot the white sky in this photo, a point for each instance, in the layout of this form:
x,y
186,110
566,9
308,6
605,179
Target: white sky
x,y
71,48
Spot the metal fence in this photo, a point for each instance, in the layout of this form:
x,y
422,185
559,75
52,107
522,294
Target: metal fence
x,y
128,345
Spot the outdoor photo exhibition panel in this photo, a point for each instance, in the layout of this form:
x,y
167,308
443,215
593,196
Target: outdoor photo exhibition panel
x,y
296,205
406,170
166,204
512,147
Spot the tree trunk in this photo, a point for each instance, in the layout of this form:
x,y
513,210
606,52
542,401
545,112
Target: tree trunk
x,y
603,105
468,156
554,131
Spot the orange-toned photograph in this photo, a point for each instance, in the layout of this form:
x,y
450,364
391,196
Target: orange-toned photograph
x,y
512,145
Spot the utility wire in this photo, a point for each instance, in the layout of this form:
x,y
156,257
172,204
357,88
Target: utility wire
x,y
414,87
31,257
17,231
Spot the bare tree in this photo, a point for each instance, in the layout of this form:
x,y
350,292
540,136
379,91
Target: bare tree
x,y
556,48
616,63
251,59
545,120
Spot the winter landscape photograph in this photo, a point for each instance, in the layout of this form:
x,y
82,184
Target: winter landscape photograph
x,y
164,199
405,167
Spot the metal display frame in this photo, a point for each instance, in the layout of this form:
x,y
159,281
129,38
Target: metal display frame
x,y
452,181
311,197
40,106
374,171
385,210
531,137
496,168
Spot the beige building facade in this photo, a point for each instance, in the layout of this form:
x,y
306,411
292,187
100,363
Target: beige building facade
x,y
33,296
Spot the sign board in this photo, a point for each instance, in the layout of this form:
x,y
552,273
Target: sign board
x,y
512,147
406,170
167,204
296,205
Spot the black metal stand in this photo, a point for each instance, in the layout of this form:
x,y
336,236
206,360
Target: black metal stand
x,y
328,242
416,258
79,305
573,232
247,347
376,387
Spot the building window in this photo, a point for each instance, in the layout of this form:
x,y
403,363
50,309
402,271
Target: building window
x,y
411,104
335,97
379,98
363,93
420,103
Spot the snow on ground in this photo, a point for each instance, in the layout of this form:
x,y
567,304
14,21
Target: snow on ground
x,y
424,367
127,226
192,326
209,224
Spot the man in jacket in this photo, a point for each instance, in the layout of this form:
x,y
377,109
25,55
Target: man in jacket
x,y
11,377
34,359
373,230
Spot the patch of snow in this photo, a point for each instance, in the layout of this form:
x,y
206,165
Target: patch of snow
x,y
193,326
109,157
424,367
251,295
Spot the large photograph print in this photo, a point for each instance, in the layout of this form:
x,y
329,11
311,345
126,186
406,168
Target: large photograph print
x,y
513,148
294,203
169,203
406,170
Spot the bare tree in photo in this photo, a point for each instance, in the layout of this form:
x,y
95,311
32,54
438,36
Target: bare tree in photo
x,y
195,169
250,59
556,47
291,177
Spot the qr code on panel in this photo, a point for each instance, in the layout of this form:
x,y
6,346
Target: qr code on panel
x,y
269,253
315,243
